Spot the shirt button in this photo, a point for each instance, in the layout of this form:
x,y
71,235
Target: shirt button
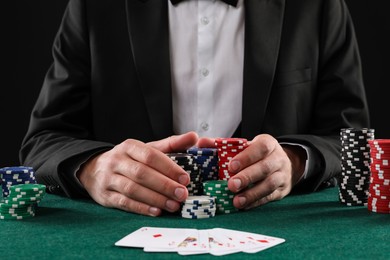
x,y
205,126
204,20
205,72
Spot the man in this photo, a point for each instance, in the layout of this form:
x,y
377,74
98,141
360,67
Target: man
x,y
134,79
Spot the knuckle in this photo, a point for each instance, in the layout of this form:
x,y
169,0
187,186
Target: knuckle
x,y
138,207
272,183
267,166
127,143
148,156
166,185
122,202
139,171
129,188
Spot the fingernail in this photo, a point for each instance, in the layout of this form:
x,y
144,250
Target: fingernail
x,y
237,183
242,200
183,179
171,204
234,166
154,211
179,193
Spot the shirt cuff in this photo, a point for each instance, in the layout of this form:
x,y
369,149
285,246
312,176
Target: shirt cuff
x,y
307,163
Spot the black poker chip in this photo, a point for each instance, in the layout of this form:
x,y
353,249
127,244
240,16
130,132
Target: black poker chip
x,y
355,166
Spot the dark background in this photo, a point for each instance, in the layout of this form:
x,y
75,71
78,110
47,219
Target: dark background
x,y
28,29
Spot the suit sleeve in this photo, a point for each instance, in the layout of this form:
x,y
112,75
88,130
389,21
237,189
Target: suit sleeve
x,y
60,129
340,101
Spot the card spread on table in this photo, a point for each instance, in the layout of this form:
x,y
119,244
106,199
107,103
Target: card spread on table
x,y
216,241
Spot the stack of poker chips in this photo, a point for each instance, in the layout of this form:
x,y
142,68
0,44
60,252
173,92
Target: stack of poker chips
x,y
15,175
227,149
355,166
198,207
219,190
379,191
207,160
21,202
187,162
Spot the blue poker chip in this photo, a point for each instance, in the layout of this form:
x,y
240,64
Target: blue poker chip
x,y
16,169
202,151
16,175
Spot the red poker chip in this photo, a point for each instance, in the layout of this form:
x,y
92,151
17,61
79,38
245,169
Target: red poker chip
x,y
380,179
379,196
379,189
380,141
382,160
231,140
379,206
378,199
380,164
372,209
380,175
379,157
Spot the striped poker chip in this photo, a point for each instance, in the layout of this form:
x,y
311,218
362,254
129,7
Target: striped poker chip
x,y
198,207
189,216
22,201
379,188
219,190
228,148
10,176
207,160
187,162
355,166
202,151
199,200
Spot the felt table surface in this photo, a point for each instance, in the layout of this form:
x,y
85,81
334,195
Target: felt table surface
x,y
315,226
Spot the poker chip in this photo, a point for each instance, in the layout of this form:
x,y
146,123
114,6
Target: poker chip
x,y
187,162
218,189
355,166
10,176
379,188
22,201
207,161
227,149
198,207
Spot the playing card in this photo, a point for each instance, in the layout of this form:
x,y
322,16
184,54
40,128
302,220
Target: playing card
x,y
168,239
249,242
154,239
198,243
221,244
216,241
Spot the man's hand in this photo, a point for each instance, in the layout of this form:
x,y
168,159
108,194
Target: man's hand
x,y
265,171
139,177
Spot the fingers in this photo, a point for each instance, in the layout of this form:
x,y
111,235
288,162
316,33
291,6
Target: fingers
x,y
263,173
146,162
272,188
206,142
255,163
135,177
134,197
175,143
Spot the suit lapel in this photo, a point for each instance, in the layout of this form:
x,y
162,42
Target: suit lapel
x,y
263,25
149,37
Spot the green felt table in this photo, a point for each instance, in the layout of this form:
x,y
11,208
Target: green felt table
x,y
315,226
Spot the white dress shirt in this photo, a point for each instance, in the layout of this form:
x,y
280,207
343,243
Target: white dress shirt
x,y
207,59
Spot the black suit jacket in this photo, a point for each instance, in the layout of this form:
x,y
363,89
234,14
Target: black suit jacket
x,y
111,80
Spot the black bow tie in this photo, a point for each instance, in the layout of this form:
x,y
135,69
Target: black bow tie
x,y
229,2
